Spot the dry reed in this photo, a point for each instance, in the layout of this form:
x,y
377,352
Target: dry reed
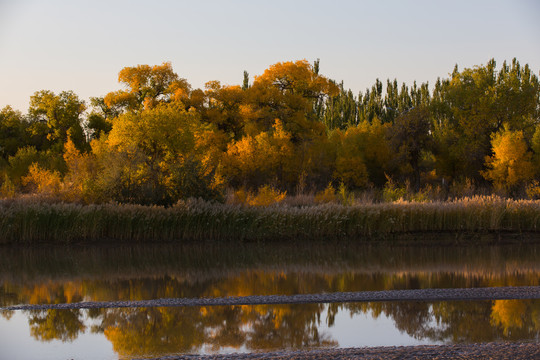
x,y
29,221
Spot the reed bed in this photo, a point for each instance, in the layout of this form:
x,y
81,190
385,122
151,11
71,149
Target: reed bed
x,y
28,221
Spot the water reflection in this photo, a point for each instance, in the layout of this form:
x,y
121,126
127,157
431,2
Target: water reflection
x,y
50,325
140,332
461,321
173,330
60,275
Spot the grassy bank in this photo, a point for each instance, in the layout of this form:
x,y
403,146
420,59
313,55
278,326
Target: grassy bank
x,y
28,221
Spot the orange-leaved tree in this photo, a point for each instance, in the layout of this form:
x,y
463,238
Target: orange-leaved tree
x,y
291,92
147,86
265,158
511,163
156,156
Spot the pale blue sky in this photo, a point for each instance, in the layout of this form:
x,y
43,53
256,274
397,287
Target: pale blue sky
x,y
82,45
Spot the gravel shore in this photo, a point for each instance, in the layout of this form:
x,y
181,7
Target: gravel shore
x,y
491,293
492,351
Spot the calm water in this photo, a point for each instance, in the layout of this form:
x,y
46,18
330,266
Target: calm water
x,y
59,275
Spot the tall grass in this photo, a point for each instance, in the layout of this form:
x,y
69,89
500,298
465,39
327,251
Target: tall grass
x,y
29,221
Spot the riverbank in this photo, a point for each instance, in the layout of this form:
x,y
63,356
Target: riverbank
x,y
492,351
428,295
26,221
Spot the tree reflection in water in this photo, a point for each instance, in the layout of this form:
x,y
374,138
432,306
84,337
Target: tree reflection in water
x,y
137,273
177,330
47,325
109,274
170,330
140,331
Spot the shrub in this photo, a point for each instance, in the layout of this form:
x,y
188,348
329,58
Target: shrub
x,y
7,189
266,196
533,190
42,181
239,196
328,195
392,192
345,197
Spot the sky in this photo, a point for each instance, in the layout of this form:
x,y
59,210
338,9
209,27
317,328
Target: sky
x,y
82,45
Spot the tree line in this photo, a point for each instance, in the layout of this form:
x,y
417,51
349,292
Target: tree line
x,y
159,140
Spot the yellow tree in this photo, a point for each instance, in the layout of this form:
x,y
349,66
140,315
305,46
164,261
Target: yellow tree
x,y
289,91
509,314
259,160
42,181
223,108
363,153
350,164
511,163
377,149
157,155
79,181
315,161
147,86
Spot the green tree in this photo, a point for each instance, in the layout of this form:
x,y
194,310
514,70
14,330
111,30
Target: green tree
x,y
410,138
20,163
245,83
371,103
12,132
516,101
535,147
474,104
62,115
99,121
341,110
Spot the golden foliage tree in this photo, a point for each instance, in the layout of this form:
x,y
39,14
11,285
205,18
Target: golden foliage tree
x,y
350,165
511,163
147,86
79,181
255,161
42,181
289,91
158,155
223,108
363,154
